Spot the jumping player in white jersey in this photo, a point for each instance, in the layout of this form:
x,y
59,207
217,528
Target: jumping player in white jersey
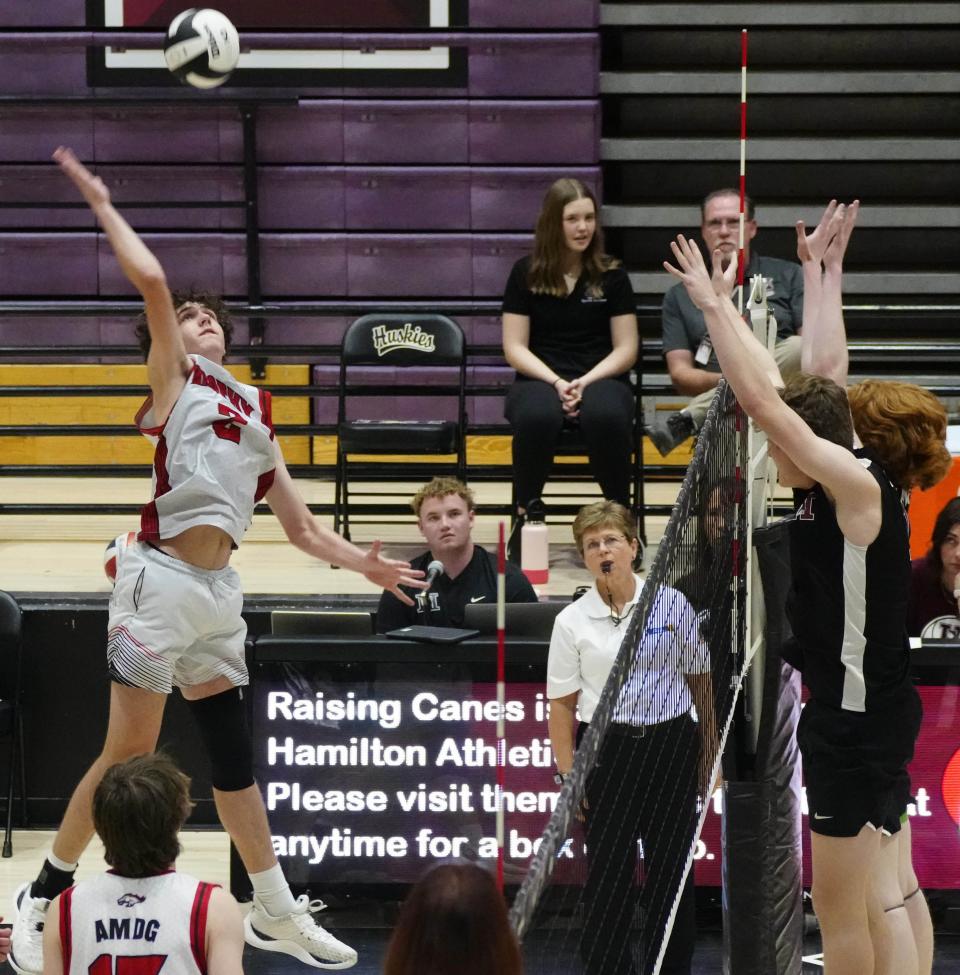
x,y
142,915
847,608
175,612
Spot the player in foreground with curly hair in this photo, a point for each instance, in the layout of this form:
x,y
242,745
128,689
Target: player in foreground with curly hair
x,y
175,611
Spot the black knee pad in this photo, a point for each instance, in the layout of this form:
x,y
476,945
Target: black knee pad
x,y
223,727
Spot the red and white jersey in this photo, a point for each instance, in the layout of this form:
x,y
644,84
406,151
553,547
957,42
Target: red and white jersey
x,y
214,458
113,925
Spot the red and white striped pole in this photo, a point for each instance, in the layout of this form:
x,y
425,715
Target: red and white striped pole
x,y
743,161
501,694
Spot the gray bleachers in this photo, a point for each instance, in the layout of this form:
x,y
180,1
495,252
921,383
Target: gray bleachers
x,y
844,99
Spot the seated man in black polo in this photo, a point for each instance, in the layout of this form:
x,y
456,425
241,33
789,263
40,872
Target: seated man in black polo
x,y
691,362
445,514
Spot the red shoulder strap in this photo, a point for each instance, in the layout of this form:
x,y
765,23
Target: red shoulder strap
x,y
198,924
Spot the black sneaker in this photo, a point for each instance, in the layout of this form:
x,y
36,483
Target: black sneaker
x,y
666,437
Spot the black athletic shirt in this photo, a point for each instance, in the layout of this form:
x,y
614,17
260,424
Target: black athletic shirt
x,y
572,334
848,604
443,604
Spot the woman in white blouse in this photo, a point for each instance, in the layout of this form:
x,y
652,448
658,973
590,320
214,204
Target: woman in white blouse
x,y
656,753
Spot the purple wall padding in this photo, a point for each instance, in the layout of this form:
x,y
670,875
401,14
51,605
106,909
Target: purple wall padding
x,y
43,265
539,133
305,265
481,329
557,13
173,134
409,198
188,184
50,331
31,134
510,198
493,256
302,198
480,409
405,132
546,66
43,13
319,330
44,186
38,71
309,132
404,265
214,262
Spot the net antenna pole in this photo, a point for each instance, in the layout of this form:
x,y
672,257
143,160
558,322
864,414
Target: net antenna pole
x,y
743,466
501,695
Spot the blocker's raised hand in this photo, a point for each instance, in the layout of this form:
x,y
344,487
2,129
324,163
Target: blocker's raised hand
x,y
812,246
833,255
692,272
724,278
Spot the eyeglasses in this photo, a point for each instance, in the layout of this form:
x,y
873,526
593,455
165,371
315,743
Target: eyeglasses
x,y
606,541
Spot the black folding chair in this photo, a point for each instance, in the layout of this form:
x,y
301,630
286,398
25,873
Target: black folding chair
x,y
400,365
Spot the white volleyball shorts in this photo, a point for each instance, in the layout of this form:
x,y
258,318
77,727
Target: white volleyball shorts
x,y
172,623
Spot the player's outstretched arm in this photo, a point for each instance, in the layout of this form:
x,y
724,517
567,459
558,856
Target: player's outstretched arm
x,y
168,363
724,279
304,531
835,467
224,937
824,351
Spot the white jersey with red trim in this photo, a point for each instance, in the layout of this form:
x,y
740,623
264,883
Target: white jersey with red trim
x,y
113,925
215,455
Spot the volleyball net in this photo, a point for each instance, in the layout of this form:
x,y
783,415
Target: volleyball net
x,y
614,870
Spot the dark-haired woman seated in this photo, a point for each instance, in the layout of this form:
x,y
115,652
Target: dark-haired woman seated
x,y
934,608
570,331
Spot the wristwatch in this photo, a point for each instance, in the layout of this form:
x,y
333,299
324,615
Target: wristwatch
x,y
559,777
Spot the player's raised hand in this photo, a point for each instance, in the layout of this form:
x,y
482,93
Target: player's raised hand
x,y
390,574
724,278
833,255
692,272
93,188
812,246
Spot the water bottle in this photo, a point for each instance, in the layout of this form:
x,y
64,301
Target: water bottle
x,y
534,544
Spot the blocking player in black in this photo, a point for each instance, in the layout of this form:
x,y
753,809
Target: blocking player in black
x,y
902,930
847,607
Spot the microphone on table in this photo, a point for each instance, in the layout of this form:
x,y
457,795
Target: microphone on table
x,y
434,570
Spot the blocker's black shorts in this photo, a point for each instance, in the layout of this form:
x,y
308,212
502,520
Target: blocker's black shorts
x,y
855,765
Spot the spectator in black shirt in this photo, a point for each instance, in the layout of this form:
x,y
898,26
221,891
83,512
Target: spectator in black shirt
x,y
445,515
570,331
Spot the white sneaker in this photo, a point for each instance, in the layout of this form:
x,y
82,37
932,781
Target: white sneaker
x,y
26,946
297,934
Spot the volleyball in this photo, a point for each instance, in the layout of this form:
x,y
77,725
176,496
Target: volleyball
x,y
202,47
114,553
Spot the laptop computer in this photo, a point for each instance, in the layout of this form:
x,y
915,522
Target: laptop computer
x,y
431,634
533,620
334,622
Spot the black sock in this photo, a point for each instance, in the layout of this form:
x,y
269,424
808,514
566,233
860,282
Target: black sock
x,y
50,881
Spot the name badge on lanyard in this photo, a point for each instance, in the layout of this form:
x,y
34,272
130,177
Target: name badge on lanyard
x,y
704,350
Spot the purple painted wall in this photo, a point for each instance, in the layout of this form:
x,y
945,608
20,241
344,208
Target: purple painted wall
x,y
420,193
